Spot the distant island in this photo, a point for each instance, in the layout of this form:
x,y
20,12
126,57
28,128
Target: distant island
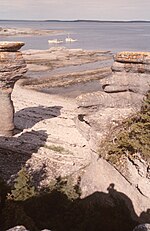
x,y
26,32
80,20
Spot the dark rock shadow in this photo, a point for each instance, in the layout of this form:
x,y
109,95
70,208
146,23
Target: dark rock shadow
x,y
28,117
112,211
14,152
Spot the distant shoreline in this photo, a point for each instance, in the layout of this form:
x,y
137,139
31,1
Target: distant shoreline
x,y
76,21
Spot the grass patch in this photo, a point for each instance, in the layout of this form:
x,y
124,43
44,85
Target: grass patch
x,y
58,149
54,148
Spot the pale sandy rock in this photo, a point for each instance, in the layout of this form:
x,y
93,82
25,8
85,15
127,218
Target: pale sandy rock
x,y
98,125
100,176
127,79
135,170
131,67
12,67
6,114
10,46
133,57
47,141
102,112
104,100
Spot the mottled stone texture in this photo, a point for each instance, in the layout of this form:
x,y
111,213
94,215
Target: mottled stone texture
x,y
100,114
122,95
12,67
135,62
142,227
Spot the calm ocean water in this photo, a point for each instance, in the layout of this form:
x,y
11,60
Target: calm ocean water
x,y
90,35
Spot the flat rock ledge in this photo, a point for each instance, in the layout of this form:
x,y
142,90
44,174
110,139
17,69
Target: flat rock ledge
x,y
134,62
10,46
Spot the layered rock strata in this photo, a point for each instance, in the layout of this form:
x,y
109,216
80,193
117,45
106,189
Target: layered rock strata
x,y
122,95
100,113
12,67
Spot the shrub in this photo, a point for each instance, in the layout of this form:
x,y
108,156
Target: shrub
x,y
23,188
133,137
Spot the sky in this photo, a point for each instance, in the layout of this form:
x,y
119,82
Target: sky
x,y
75,9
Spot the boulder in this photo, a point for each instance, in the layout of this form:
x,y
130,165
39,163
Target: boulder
x,y
12,67
18,228
10,46
142,227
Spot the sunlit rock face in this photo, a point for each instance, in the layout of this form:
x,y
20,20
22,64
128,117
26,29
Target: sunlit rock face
x,y
122,95
12,67
101,113
132,62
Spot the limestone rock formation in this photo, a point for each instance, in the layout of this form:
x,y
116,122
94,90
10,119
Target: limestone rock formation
x,y
12,67
102,177
101,113
122,95
10,46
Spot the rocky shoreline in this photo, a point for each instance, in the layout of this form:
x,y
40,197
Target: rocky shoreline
x,y
60,136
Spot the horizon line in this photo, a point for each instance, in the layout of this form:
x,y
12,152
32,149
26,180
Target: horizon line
x,y
75,20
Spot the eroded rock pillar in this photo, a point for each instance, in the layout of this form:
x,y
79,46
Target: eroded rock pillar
x,y
12,67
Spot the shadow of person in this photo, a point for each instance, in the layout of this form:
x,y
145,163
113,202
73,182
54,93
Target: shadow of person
x,y
28,117
54,210
145,216
112,211
15,151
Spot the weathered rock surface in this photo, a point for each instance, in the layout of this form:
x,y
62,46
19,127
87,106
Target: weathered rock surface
x,y
99,113
122,91
18,228
12,67
133,57
50,145
10,46
102,177
142,227
47,140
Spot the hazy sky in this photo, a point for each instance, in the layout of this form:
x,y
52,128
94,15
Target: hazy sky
x,y
75,9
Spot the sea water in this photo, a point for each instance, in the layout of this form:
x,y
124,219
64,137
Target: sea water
x,y
120,36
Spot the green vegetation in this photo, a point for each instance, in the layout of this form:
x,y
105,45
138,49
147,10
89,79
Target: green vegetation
x,y
54,148
58,149
23,188
36,209
67,187
132,138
